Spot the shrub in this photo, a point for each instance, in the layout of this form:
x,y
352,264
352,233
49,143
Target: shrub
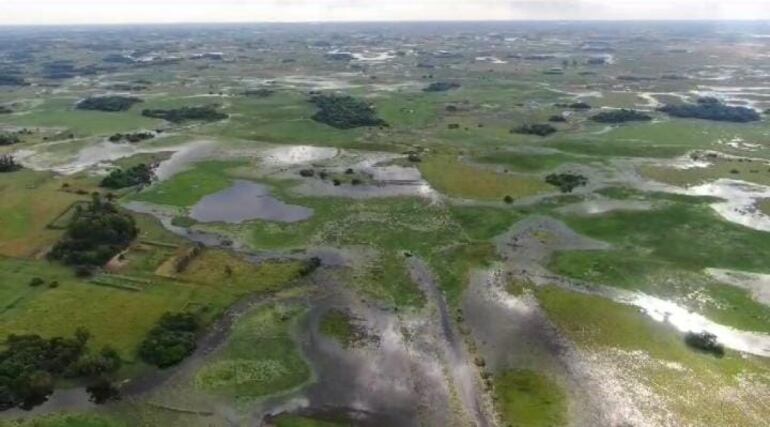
x,y
171,340
206,113
108,103
704,341
566,181
536,129
345,112
621,116
712,109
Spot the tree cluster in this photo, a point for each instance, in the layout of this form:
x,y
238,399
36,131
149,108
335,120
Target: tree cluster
x,y
140,174
171,340
712,109
30,366
441,87
95,235
566,181
205,113
8,163
621,116
345,112
535,129
110,104
132,137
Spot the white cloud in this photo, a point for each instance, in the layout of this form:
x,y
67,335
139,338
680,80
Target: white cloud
x,y
121,11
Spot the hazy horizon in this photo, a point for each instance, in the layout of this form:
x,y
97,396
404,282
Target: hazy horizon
x,y
79,12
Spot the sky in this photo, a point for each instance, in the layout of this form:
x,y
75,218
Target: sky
x,y
25,12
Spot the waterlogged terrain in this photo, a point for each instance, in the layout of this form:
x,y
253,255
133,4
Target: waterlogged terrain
x,y
385,225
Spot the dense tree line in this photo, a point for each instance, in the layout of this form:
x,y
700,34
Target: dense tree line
x,y
345,112
621,116
566,181
712,109
171,340
140,174
535,129
132,137
206,113
441,86
108,103
96,233
30,366
8,163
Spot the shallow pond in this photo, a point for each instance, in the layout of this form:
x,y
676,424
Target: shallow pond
x,y
244,201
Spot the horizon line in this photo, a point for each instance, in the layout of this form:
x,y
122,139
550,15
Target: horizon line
x,y
386,21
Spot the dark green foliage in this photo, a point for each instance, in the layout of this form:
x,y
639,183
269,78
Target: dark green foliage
x,y
310,266
132,137
621,116
12,80
579,106
140,174
345,112
95,235
705,342
566,181
441,86
259,93
171,340
36,281
5,110
536,129
205,113
712,109
9,139
8,163
30,365
557,119
110,104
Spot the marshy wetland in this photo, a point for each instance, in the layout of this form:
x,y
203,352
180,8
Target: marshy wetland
x,y
521,224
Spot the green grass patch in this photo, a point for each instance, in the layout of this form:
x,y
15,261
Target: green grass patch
x,y
260,357
451,176
187,188
530,399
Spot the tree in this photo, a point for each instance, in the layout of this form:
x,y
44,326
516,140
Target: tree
x,y
8,163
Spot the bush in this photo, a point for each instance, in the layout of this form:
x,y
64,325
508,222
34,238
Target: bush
x,y
108,103
206,113
536,129
712,109
36,281
704,341
441,87
566,181
140,174
621,116
9,139
8,163
171,340
345,112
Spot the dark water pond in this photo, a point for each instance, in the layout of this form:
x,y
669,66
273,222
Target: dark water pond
x,y
245,201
